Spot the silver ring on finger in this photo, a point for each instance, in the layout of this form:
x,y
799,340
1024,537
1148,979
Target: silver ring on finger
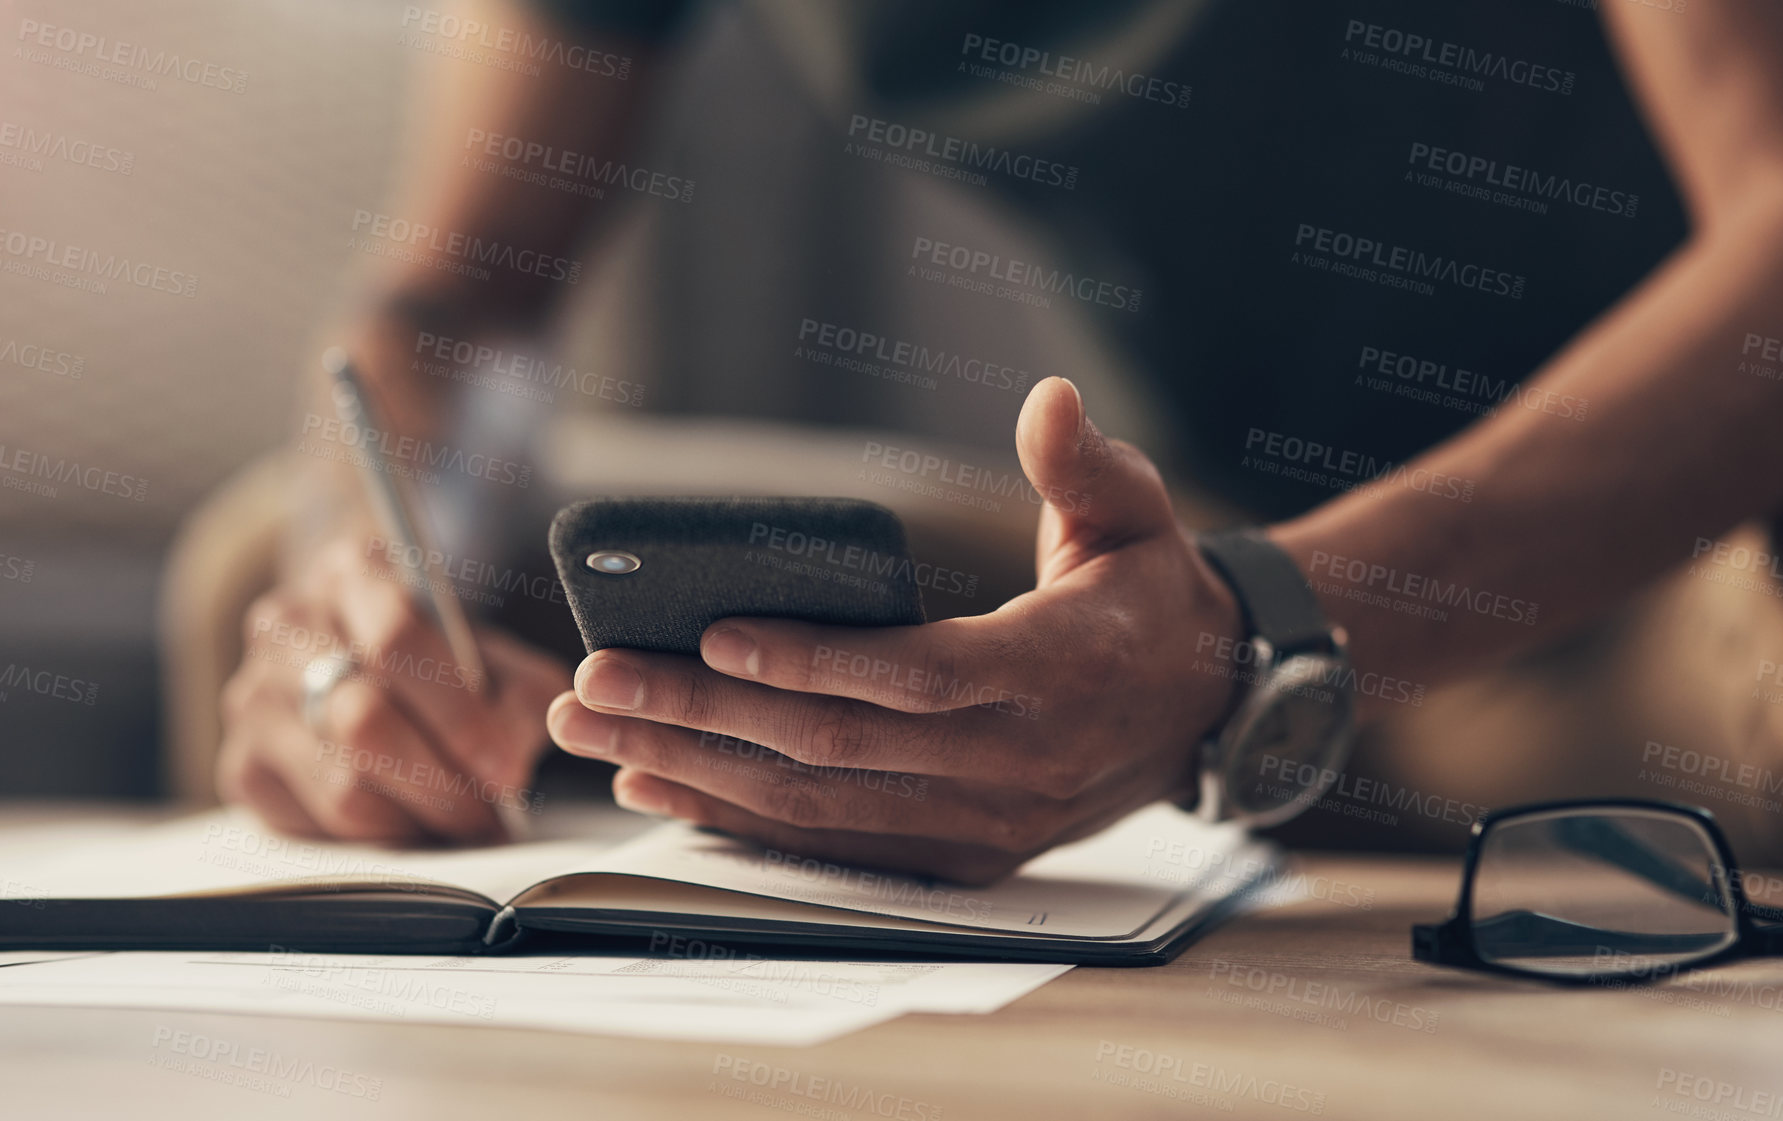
x,y
320,677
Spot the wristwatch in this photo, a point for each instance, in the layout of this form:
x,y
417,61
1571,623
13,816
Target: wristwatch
x,y
1289,733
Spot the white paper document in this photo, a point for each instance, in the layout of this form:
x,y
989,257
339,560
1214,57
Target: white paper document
x,y
1148,875
787,1002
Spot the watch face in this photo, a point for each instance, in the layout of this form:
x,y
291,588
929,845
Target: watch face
x,y
1287,741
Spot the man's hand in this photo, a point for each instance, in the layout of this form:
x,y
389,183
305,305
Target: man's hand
x,y
960,748
410,747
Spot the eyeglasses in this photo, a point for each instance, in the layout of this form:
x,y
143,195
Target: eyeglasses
x,y
1582,892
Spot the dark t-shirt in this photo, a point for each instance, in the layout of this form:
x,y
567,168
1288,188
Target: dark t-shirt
x,y
1326,235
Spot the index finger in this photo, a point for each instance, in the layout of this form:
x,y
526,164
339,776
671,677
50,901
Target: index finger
x,y
933,667
399,646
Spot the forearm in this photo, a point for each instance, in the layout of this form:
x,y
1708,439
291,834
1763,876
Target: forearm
x,y
1568,517
479,136
476,138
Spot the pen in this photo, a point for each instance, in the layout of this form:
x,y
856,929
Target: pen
x,y
402,518
399,511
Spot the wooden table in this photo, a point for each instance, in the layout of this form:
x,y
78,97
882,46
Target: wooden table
x,y
1310,1006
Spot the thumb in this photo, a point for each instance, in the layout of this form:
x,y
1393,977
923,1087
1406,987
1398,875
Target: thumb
x,y
1105,490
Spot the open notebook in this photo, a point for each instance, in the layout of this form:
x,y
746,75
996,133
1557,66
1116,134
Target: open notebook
x,y
1133,894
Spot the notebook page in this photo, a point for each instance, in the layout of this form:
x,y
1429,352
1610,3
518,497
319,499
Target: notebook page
x,y
1109,886
228,850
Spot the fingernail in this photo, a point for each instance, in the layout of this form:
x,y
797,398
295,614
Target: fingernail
x,y
729,650
585,733
609,682
1077,395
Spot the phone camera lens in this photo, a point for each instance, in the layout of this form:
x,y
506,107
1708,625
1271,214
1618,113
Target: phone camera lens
x,y
611,562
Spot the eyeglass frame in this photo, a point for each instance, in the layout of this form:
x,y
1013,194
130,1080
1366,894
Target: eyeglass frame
x,y
1451,942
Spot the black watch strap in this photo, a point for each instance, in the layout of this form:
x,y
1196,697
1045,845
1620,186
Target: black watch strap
x,y
1272,591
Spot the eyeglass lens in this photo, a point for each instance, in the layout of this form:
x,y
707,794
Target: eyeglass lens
x,y
1627,892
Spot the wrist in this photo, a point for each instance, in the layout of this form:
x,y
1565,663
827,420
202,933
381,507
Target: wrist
x,y
1214,682
1287,699
1224,652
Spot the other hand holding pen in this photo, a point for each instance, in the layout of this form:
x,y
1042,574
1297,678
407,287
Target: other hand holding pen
x,y
402,744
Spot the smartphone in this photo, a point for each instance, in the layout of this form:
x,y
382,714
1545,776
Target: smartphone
x,y
654,573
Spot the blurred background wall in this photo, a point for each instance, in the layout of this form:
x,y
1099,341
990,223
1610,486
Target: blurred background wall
x,y
167,393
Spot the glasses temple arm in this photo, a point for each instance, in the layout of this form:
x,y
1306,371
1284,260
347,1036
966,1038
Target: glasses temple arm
x,y
1595,836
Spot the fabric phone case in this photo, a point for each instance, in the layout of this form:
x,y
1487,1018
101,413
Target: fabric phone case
x,y
697,560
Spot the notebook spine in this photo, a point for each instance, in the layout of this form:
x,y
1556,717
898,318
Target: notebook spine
x,y
504,931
